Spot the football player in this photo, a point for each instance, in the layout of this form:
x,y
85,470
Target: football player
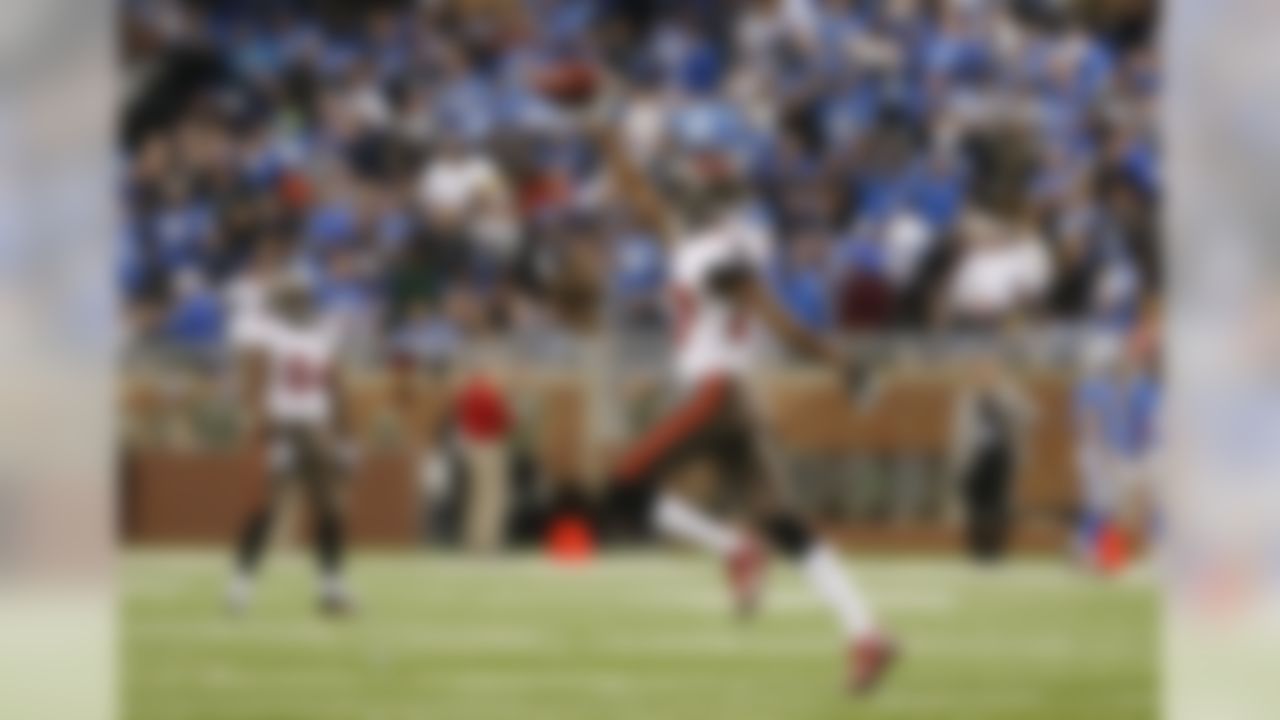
x,y
723,310
293,394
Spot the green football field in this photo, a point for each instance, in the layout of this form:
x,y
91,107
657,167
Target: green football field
x,y
626,637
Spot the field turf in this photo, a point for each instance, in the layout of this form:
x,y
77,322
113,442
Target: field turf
x,y
645,637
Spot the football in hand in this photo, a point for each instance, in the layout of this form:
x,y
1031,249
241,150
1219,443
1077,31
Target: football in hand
x,y
569,83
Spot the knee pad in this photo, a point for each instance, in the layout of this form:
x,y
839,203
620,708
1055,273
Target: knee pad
x,y
790,536
630,505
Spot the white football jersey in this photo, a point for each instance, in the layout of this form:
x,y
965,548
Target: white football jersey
x,y
301,359
713,336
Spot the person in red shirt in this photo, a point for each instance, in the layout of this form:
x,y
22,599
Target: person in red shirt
x,y
484,422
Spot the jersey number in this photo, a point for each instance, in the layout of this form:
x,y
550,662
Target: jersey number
x,y
686,309
302,375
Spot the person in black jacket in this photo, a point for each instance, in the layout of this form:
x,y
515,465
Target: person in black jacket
x,y
990,416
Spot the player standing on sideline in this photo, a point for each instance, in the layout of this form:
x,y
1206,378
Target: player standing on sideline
x,y
292,390
722,308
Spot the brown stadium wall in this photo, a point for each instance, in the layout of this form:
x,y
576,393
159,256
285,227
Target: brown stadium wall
x,y
170,495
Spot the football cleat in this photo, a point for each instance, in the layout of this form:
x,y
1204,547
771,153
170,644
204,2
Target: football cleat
x,y
869,660
239,596
336,600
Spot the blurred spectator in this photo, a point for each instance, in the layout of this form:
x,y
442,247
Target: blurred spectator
x,y
638,279
1003,271
801,279
427,336
462,188
195,317
908,240
347,292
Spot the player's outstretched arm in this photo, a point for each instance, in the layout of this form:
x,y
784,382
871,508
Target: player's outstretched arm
x,y
761,301
861,378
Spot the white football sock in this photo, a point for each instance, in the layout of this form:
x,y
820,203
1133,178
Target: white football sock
x,y
240,591
332,586
821,567
676,518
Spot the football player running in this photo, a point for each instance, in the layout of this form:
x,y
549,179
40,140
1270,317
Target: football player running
x,y
723,311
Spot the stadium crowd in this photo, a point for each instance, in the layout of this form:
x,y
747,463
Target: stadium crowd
x,y
921,162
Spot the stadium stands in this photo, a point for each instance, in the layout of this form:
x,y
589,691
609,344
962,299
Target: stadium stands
x,y
402,153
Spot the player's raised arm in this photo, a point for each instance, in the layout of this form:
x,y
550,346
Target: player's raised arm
x,y
585,92
632,184
798,337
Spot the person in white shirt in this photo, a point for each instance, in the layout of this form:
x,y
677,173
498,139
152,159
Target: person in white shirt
x,y
1004,270
908,238
293,395
462,187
